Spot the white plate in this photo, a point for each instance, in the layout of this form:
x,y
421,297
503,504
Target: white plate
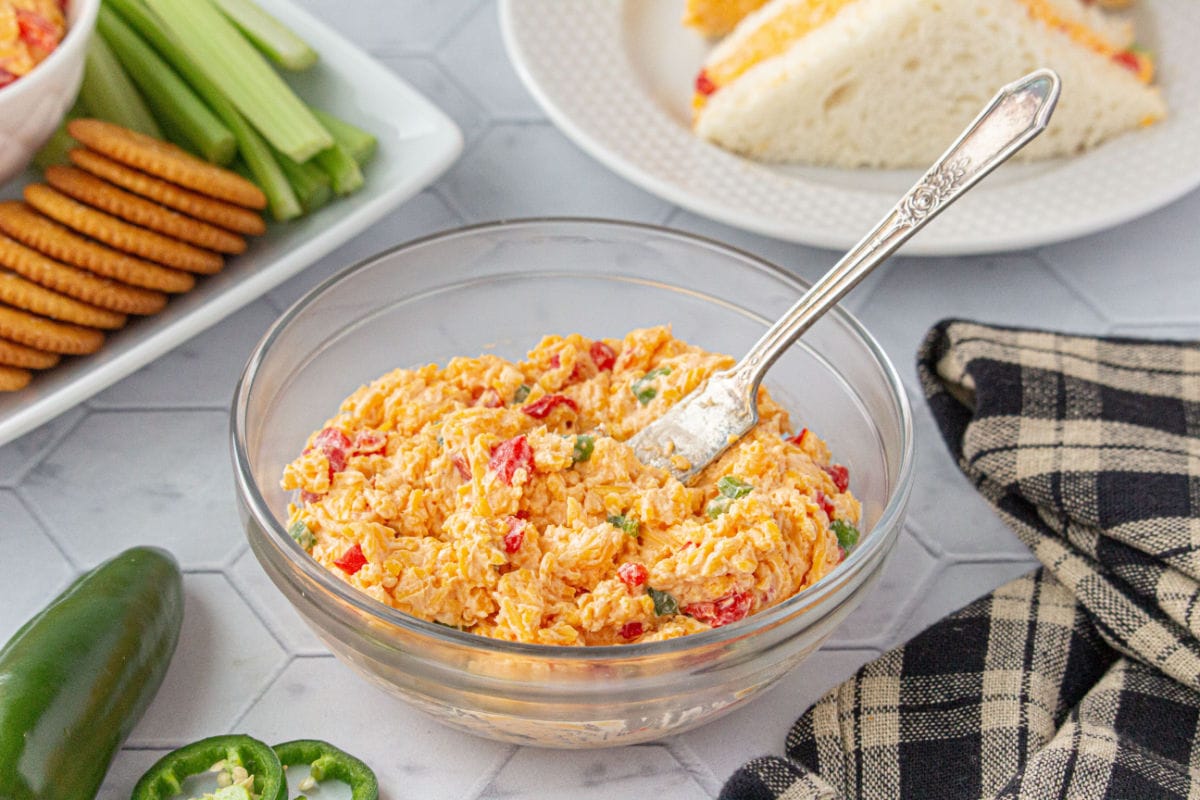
x,y
616,76
417,142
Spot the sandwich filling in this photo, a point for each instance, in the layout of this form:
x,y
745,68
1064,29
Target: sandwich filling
x,y
792,22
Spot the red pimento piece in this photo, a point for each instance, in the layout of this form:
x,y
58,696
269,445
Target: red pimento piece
x,y
632,630
840,475
603,356
1129,60
490,399
352,560
460,464
509,456
798,439
723,610
541,408
368,442
308,497
515,536
704,84
6,77
555,361
334,444
632,574
824,503
37,31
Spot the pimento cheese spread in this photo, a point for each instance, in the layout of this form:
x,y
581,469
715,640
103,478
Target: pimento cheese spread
x,y
499,498
29,32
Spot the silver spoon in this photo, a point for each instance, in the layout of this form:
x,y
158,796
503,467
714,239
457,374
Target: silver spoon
x,y
706,422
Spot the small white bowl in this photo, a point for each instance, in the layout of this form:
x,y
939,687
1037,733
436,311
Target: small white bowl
x,y
32,106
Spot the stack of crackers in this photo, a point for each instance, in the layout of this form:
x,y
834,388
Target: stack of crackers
x,y
132,221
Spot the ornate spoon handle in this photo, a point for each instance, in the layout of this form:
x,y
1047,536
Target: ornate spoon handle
x,y
1018,113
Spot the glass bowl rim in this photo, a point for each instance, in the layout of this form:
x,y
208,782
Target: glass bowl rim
x,y
744,629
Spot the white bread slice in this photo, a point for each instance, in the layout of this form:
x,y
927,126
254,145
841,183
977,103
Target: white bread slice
x,y
891,83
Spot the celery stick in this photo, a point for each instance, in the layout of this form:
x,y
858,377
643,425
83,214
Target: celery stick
x,y
110,94
245,77
309,182
177,106
276,41
342,169
361,144
264,170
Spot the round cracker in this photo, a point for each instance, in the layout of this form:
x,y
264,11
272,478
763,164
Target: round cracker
x,y
225,215
29,296
166,161
120,234
43,334
97,193
13,379
18,355
30,228
77,283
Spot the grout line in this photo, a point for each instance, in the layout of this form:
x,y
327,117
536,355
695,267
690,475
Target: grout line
x,y
47,529
261,692
485,778
696,767
37,458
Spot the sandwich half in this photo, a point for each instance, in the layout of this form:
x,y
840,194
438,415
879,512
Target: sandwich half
x,y
890,83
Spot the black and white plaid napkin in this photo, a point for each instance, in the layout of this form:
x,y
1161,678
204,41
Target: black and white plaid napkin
x,y
1081,679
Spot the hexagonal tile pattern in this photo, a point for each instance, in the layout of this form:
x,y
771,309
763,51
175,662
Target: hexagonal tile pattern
x,y
195,380
645,770
944,511
34,569
475,55
953,586
20,455
225,659
809,263
164,478
414,755
424,214
269,603
393,26
763,723
432,80
532,170
875,623
147,460
914,294
1139,271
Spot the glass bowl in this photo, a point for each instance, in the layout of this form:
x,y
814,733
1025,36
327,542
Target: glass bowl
x,y
498,288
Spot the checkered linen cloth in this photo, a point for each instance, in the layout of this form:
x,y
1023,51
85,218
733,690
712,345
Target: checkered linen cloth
x,y
1081,679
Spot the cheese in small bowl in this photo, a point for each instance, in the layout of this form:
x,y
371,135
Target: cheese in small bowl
x,y
499,498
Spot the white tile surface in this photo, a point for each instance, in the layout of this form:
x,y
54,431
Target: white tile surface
x,y
272,607
532,170
475,54
413,755
147,461
640,771
200,372
224,661
34,569
127,478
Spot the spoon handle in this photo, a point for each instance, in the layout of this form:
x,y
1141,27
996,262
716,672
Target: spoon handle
x,y
1018,113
